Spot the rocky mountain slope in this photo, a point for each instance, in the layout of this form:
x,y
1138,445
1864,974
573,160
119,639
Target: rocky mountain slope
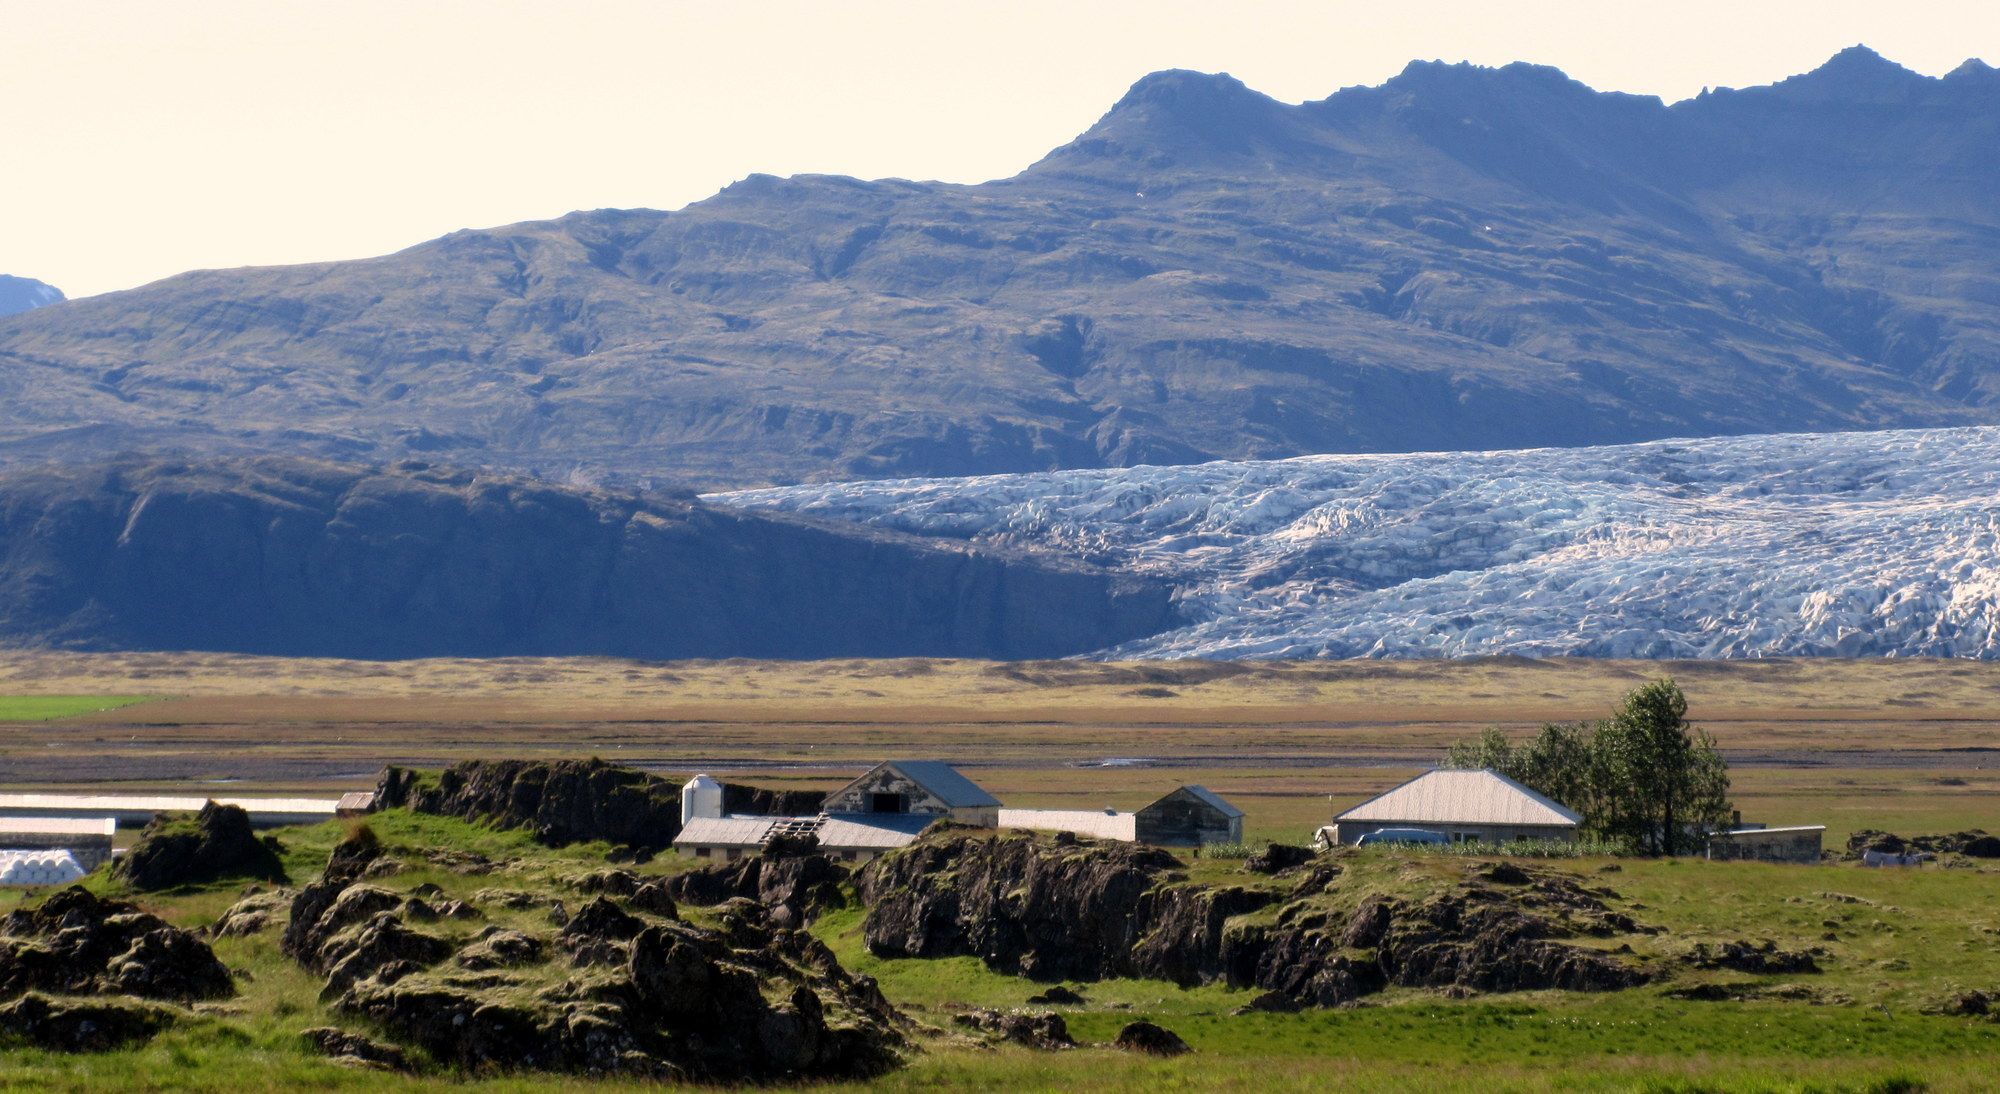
x,y
1461,258
297,557
19,294
1860,544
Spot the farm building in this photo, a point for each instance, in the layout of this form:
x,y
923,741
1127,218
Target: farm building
x,y
1798,843
1189,817
1463,806
929,787
884,809
87,839
138,810
1092,823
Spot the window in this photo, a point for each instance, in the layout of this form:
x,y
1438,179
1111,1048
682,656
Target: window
x,y
848,856
885,803
701,852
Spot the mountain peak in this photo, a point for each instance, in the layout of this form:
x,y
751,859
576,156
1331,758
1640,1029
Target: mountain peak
x,y
1856,74
19,294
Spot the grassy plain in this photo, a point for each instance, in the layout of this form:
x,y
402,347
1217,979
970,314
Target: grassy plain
x,y
1909,746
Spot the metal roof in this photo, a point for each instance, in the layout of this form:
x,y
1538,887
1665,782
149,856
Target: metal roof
x,y
942,780
726,831
1764,831
1207,797
148,803
58,826
835,832
1096,823
1463,797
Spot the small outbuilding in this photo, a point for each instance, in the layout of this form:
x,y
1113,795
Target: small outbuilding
x,y
1189,817
1090,823
1463,806
886,808
1800,843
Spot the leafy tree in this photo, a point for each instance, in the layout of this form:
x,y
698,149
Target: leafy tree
x,y
1644,775
1668,785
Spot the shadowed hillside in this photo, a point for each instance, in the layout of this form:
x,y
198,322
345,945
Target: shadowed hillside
x,y
299,557
1461,258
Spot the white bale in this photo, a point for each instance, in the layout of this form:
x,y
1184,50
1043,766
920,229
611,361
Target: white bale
x,y
24,868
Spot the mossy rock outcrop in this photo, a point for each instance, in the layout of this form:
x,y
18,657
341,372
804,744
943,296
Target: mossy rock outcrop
x,y
192,849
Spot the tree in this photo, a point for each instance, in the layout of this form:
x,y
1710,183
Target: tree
x,y
1668,785
1643,775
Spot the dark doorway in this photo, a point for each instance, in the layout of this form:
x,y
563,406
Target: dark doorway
x,y
885,803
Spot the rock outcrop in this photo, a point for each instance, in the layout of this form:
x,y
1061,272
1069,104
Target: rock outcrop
x,y
1055,909
76,943
1973,842
184,849
82,1025
560,801
1045,1030
1150,1039
617,991
793,888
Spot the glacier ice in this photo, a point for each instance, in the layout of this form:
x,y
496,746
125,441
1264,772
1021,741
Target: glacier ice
x,y
1854,544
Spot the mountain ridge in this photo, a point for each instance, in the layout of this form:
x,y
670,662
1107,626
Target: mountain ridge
x,y
1460,257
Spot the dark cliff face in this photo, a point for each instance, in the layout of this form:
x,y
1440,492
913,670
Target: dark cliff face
x,y
303,558
1461,258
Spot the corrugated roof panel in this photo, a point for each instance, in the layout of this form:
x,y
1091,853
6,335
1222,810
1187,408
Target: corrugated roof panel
x,y
871,831
943,780
1462,797
59,826
725,831
1095,823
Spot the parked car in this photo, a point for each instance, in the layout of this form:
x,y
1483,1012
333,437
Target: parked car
x,y
1401,835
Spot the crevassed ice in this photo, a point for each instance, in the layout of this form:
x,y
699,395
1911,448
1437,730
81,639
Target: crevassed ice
x,y
1851,544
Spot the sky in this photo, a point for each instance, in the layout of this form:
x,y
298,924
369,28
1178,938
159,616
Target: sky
x,y
140,139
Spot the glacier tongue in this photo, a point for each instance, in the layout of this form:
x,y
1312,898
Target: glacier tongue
x,y
1853,544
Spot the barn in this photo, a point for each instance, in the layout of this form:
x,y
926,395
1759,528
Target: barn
x,y
928,787
1188,816
1463,806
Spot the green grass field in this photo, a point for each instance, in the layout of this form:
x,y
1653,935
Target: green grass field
x,y
44,708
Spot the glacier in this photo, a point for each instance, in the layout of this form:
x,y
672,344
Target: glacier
x,y
1848,545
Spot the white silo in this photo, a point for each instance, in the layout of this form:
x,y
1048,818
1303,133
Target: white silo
x,y
701,797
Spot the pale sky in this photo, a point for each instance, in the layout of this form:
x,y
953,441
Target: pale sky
x,y
148,137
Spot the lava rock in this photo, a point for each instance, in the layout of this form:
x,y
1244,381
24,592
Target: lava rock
x,y
794,888
1046,1031
351,1048
218,842
1278,858
1151,1039
82,1025
1748,957
76,943
1058,995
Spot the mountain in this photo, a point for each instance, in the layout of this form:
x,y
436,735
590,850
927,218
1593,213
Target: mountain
x,y
287,556
19,294
1858,544
1460,258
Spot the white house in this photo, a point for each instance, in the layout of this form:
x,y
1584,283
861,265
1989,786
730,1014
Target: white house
x,y
1483,806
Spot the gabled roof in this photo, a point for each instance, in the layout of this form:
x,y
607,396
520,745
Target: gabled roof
x,y
1206,796
942,780
1462,797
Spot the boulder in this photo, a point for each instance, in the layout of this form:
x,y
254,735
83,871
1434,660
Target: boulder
x,y
1150,1039
182,849
597,933
1045,1030
1058,995
355,1050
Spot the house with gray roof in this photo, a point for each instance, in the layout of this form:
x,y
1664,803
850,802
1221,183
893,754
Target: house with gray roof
x,y
927,787
1463,806
888,807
